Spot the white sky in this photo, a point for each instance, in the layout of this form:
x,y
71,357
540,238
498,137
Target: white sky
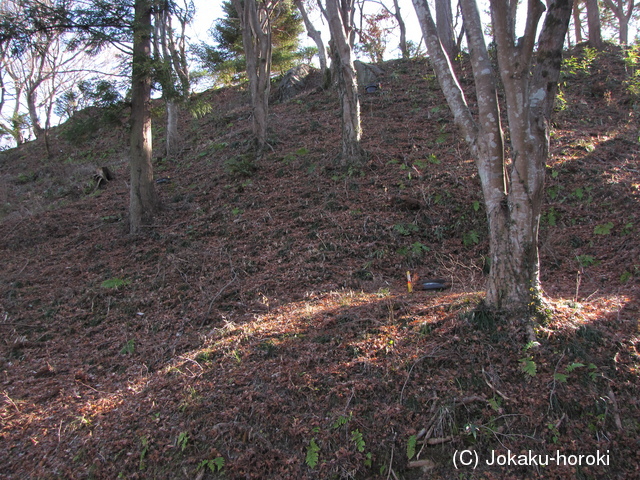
x,y
208,11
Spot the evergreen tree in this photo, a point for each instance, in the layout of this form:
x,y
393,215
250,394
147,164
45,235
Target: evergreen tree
x,y
226,60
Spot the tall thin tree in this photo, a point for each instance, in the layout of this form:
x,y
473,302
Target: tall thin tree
x,y
143,200
256,39
340,15
172,65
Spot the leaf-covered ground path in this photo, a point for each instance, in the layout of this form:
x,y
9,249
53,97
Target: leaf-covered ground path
x,y
262,327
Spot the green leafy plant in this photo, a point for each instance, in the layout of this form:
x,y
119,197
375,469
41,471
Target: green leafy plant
x,y
528,366
470,238
555,433
405,229
214,465
579,65
625,277
342,420
240,165
586,260
411,446
578,193
495,404
551,217
313,454
604,229
115,283
472,429
562,377
199,108
128,347
553,191
415,250
183,440
145,448
358,439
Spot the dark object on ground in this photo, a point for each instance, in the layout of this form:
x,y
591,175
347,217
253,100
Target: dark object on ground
x,y
436,284
372,88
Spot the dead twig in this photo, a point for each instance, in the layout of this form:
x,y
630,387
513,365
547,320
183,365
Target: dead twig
x,y
492,387
393,447
438,441
235,276
411,370
9,400
426,463
616,411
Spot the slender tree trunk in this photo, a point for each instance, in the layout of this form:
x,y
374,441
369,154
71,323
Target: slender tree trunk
x,y
256,39
577,22
404,50
340,17
444,24
172,137
315,35
143,201
173,71
38,131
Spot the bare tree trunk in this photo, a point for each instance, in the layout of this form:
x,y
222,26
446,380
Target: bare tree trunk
x,y
256,38
172,137
173,71
593,22
404,50
143,201
513,196
577,22
624,17
340,17
38,131
315,35
444,24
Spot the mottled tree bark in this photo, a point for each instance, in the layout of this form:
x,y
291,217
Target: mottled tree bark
x,y
143,201
340,17
512,190
256,38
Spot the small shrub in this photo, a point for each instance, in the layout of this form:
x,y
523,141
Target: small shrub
x,y
240,166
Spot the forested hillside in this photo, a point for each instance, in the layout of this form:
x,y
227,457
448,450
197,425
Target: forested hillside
x,y
262,326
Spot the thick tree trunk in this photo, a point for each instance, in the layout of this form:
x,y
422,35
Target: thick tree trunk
x,y
513,197
143,201
339,15
593,23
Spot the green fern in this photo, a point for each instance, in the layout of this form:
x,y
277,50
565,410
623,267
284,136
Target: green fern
x,y
411,446
356,437
528,366
313,454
